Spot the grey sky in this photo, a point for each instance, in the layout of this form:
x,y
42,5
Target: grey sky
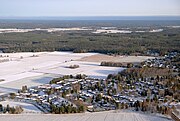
x,y
89,7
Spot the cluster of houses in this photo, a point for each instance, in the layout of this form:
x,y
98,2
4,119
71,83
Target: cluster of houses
x,y
152,53
162,62
140,93
42,96
97,95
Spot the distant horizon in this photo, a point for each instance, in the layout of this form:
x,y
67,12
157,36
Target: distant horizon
x,y
158,17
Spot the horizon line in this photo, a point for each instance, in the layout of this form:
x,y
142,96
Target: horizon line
x,y
153,17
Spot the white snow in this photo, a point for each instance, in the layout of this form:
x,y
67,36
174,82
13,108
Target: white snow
x,y
112,31
13,86
13,30
156,30
32,69
27,108
99,116
92,69
51,63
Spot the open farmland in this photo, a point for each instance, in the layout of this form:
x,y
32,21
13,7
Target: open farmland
x,y
14,86
33,69
117,58
101,116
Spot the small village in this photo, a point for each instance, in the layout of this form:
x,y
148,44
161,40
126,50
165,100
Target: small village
x,y
129,90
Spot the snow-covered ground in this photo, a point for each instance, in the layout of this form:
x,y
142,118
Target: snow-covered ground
x,y
15,30
124,31
122,59
156,30
27,108
102,30
32,69
13,86
112,31
100,116
92,69
22,65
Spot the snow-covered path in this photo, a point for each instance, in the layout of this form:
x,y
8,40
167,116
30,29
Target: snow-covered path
x,y
101,116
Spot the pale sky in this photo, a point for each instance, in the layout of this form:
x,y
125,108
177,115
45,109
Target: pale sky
x,y
34,8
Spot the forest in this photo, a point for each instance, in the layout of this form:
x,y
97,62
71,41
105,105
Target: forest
x,y
86,41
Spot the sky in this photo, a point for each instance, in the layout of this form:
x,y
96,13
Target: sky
x,y
38,8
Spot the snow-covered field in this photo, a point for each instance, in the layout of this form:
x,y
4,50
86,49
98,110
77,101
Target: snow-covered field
x,y
15,30
27,108
127,59
91,69
33,69
102,30
112,31
124,31
13,86
22,65
156,30
100,116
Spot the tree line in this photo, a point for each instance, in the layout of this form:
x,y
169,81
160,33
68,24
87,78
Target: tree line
x,y
86,41
11,110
